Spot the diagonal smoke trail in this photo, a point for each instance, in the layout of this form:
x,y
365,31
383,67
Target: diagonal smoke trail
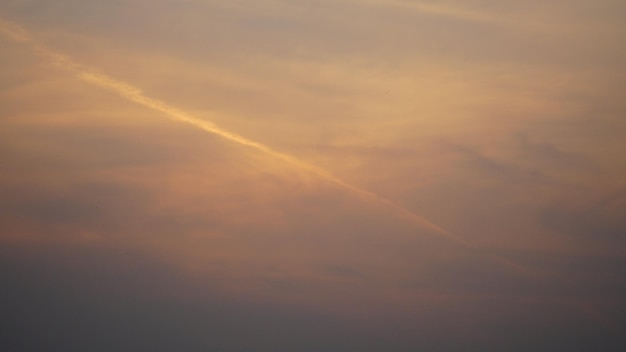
x,y
16,33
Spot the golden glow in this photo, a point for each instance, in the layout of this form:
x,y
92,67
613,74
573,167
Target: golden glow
x,y
433,159
134,94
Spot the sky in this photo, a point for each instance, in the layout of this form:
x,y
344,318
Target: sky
x,y
298,175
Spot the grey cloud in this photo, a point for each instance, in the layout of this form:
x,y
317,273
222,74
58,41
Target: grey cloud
x,y
97,298
551,156
602,220
303,30
50,210
345,271
502,171
102,208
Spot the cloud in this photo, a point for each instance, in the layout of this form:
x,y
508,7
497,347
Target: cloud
x,y
94,297
501,171
14,32
447,10
135,95
552,156
122,227
596,221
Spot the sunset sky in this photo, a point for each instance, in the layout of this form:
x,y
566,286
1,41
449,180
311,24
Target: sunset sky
x,y
304,176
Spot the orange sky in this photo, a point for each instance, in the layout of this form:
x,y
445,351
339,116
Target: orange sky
x,y
452,166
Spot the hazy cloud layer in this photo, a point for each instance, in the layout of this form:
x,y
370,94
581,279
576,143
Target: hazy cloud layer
x,y
296,175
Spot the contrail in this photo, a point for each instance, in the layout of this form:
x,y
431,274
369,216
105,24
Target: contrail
x,y
18,34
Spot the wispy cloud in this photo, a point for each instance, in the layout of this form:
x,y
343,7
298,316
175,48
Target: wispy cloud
x,y
599,221
454,111
15,32
445,10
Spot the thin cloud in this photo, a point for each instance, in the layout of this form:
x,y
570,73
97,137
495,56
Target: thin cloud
x,y
15,32
447,11
508,20
600,221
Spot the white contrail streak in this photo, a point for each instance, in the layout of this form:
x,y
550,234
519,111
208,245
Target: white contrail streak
x,y
16,33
